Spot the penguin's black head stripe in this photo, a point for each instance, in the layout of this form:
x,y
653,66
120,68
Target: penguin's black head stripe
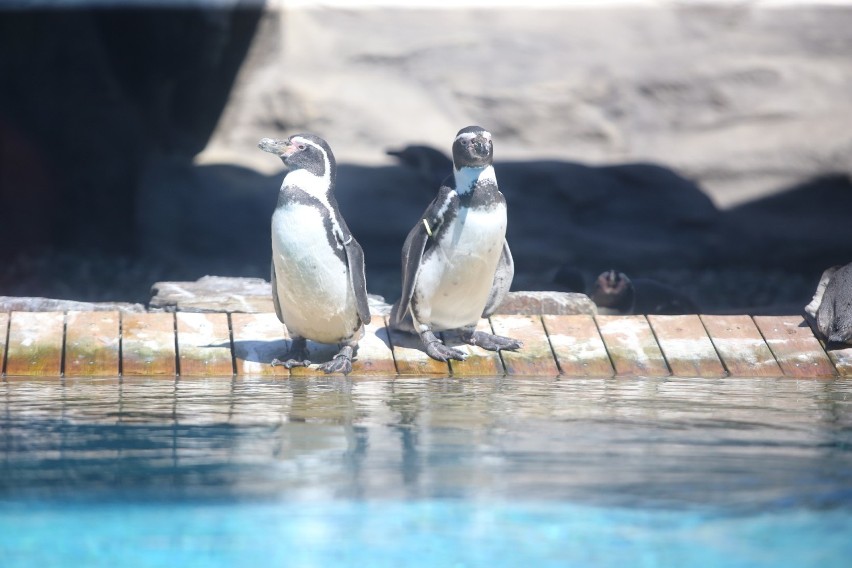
x,y
472,130
310,153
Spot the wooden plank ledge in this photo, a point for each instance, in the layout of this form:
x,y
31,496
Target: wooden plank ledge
x,y
148,344
92,344
35,344
53,344
204,344
632,347
535,358
797,351
741,346
4,334
578,346
686,346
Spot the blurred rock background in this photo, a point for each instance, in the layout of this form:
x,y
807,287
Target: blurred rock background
x,y
704,144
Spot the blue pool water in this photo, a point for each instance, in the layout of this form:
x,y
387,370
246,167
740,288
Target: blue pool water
x,y
426,472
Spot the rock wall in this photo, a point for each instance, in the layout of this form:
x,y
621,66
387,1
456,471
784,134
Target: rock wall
x,y
128,137
744,98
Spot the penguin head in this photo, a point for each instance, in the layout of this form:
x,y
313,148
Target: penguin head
x,y
613,290
301,152
472,148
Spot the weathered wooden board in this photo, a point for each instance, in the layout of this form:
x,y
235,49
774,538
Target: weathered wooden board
x,y
204,344
410,357
535,358
741,346
258,339
35,344
842,359
374,356
686,346
840,355
632,346
578,346
4,331
480,362
92,341
796,349
148,344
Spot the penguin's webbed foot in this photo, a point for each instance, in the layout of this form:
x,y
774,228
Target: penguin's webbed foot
x,y
491,342
437,350
290,363
341,363
297,356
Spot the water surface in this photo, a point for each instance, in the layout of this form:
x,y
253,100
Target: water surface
x,y
425,472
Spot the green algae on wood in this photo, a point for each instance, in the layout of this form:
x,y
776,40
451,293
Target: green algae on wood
x,y
535,357
92,342
204,344
148,344
35,344
578,346
632,347
686,346
797,351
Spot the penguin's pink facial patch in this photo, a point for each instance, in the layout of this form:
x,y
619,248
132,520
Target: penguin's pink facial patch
x,y
296,144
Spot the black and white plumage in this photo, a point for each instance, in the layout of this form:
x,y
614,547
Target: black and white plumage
x,y
318,283
616,294
831,307
456,264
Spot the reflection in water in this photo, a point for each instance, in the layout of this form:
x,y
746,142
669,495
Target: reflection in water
x,y
732,443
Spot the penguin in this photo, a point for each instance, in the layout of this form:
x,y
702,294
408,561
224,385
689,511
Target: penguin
x,y
831,307
456,263
614,293
319,287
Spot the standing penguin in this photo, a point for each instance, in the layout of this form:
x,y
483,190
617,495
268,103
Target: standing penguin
x,y
318,283
456,264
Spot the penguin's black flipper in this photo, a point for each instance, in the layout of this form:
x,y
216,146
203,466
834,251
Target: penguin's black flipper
x,y
357,277
274,282
502,281
413,250
412,253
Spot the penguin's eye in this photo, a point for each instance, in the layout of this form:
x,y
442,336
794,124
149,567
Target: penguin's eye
x,y
302,146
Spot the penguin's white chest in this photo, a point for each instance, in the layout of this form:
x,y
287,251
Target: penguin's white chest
x,y
456,276
314,292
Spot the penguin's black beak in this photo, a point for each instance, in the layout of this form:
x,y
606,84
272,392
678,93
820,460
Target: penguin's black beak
x,y
274,146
